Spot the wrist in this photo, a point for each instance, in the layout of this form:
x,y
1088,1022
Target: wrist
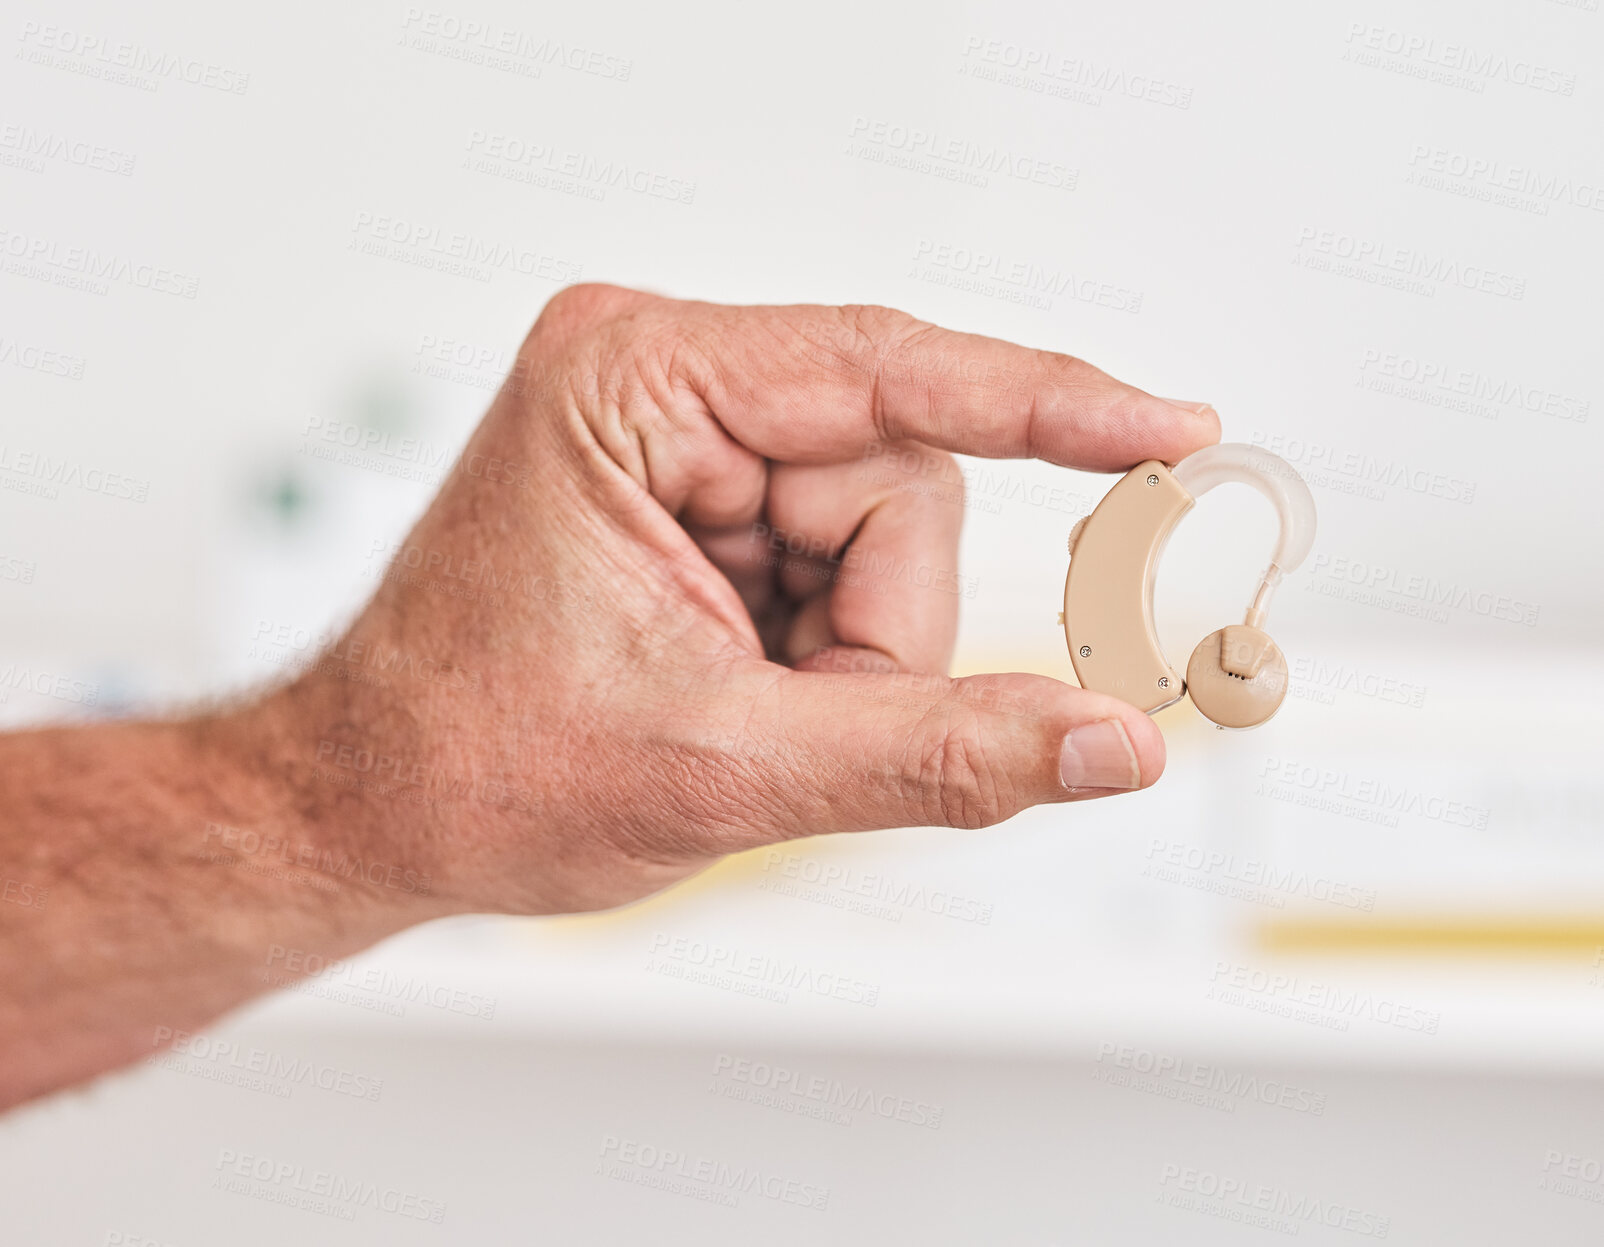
x,y
301,819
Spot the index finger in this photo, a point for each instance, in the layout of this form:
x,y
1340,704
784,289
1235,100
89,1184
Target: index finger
x,y
818,384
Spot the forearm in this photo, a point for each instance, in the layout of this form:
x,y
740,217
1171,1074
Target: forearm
x,y
148,873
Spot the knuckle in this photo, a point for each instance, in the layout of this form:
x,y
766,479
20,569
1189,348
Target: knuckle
x,y
606,351
584,303
956,779
875,317
877,328
1125,411
1065,380
560,358
579,320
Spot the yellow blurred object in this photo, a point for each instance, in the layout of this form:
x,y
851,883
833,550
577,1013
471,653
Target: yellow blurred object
x,y
1514,935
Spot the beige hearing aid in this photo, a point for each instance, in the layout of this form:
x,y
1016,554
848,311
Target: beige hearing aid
x,y
1237,676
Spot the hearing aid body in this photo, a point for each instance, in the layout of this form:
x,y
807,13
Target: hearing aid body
x,y
1237,676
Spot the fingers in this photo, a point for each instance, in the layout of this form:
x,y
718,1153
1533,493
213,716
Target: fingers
x,y
852,557
889,558
861,752
819,384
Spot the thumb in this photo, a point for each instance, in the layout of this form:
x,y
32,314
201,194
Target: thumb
x,y
903,749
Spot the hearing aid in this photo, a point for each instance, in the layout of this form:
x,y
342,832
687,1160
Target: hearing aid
x,y
1237,676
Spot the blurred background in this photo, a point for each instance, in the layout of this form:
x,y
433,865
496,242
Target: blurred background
x,y
1341,977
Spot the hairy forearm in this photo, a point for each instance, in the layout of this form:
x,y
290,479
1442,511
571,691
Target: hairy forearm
x,y
151,875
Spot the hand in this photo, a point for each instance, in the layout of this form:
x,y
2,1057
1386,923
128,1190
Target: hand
x,y
692,589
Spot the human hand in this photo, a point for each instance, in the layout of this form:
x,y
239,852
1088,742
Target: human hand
x,y
690,604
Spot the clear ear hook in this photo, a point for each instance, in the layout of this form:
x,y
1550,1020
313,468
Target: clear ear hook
x,y
1278,481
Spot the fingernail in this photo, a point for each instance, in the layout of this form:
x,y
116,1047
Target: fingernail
x,y
1195,408
1099,755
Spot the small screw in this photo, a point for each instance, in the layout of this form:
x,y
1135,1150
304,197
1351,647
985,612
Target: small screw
x,y
1164,681
1152,478
1085,651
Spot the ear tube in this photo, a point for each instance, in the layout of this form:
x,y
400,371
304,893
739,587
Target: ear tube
x,y
1278,481
1237,676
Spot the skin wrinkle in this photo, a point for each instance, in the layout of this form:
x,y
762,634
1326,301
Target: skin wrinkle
x,y
639,497
688,571
607,413
646,420
911,337
876,396
769,779
963,781
709,443
1032,417
736,397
